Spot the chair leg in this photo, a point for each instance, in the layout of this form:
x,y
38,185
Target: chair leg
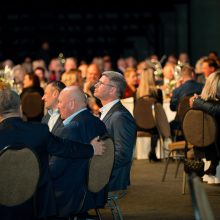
x,y
177,167
115,200
184,183
166,166
112,207
98,214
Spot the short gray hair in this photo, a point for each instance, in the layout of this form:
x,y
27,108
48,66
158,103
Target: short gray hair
x,y
9,101
118,81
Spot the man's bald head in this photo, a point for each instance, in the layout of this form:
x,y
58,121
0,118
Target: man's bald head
x,y
71,100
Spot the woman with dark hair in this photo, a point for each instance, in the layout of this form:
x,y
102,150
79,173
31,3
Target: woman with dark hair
x,y
31,83
31,86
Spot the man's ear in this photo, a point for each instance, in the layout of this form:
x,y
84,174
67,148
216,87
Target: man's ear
x,y
72,104
55,94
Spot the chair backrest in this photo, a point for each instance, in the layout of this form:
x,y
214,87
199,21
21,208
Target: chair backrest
x,y
201,206
143,113
32,104
100,168
183,107
199,128
19,175
162,123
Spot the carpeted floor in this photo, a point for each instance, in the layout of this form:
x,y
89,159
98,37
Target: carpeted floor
x,y
149,198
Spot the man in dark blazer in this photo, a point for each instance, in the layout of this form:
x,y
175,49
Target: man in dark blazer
x,y
70,176
36,136
120,126
186,86
51,94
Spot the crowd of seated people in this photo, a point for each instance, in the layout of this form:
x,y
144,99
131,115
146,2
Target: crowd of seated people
x,y
105,89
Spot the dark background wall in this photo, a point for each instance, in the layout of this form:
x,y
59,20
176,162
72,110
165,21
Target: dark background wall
x,y
87,29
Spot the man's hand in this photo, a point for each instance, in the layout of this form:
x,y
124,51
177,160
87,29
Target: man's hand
x,y
191,100
98,146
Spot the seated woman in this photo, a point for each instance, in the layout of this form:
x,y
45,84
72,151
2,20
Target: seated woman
x,y
209,103
31,84
147,87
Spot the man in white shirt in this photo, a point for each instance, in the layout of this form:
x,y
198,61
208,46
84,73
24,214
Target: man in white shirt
x,y
51,94
120,126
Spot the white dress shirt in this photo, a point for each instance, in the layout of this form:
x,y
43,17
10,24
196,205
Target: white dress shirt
x,y
54,115
105,109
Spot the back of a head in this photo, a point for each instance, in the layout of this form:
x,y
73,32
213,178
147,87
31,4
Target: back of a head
x,y
58,85
4,85
118,81
147,82
211,90
9,102
187,72
75,93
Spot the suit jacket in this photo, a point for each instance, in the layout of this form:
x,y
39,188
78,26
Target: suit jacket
x,y
122,129
36,136
58,123
70,176
187,89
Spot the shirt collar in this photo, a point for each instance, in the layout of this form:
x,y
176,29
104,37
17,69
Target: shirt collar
x,y
104,110
70,118
53,111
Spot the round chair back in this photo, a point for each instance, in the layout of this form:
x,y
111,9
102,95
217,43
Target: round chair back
x,y
19,174
199,128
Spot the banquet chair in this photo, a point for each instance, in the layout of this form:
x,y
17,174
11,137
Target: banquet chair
x,y
144,118
201,205
32,105
182,108
162,125
178,147
204,132
19,175
175,150
99,173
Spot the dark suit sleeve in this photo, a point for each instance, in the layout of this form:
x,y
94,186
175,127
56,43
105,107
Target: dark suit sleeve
x,y
212,108
123,129
69,149
174,100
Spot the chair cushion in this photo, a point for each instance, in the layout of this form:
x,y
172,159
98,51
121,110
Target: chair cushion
x,y
19,174
100,168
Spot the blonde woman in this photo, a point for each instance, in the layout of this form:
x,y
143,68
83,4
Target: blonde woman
x,y
147,87
209,102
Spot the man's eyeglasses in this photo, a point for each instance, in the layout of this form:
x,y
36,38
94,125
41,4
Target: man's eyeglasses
x,y
101,83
